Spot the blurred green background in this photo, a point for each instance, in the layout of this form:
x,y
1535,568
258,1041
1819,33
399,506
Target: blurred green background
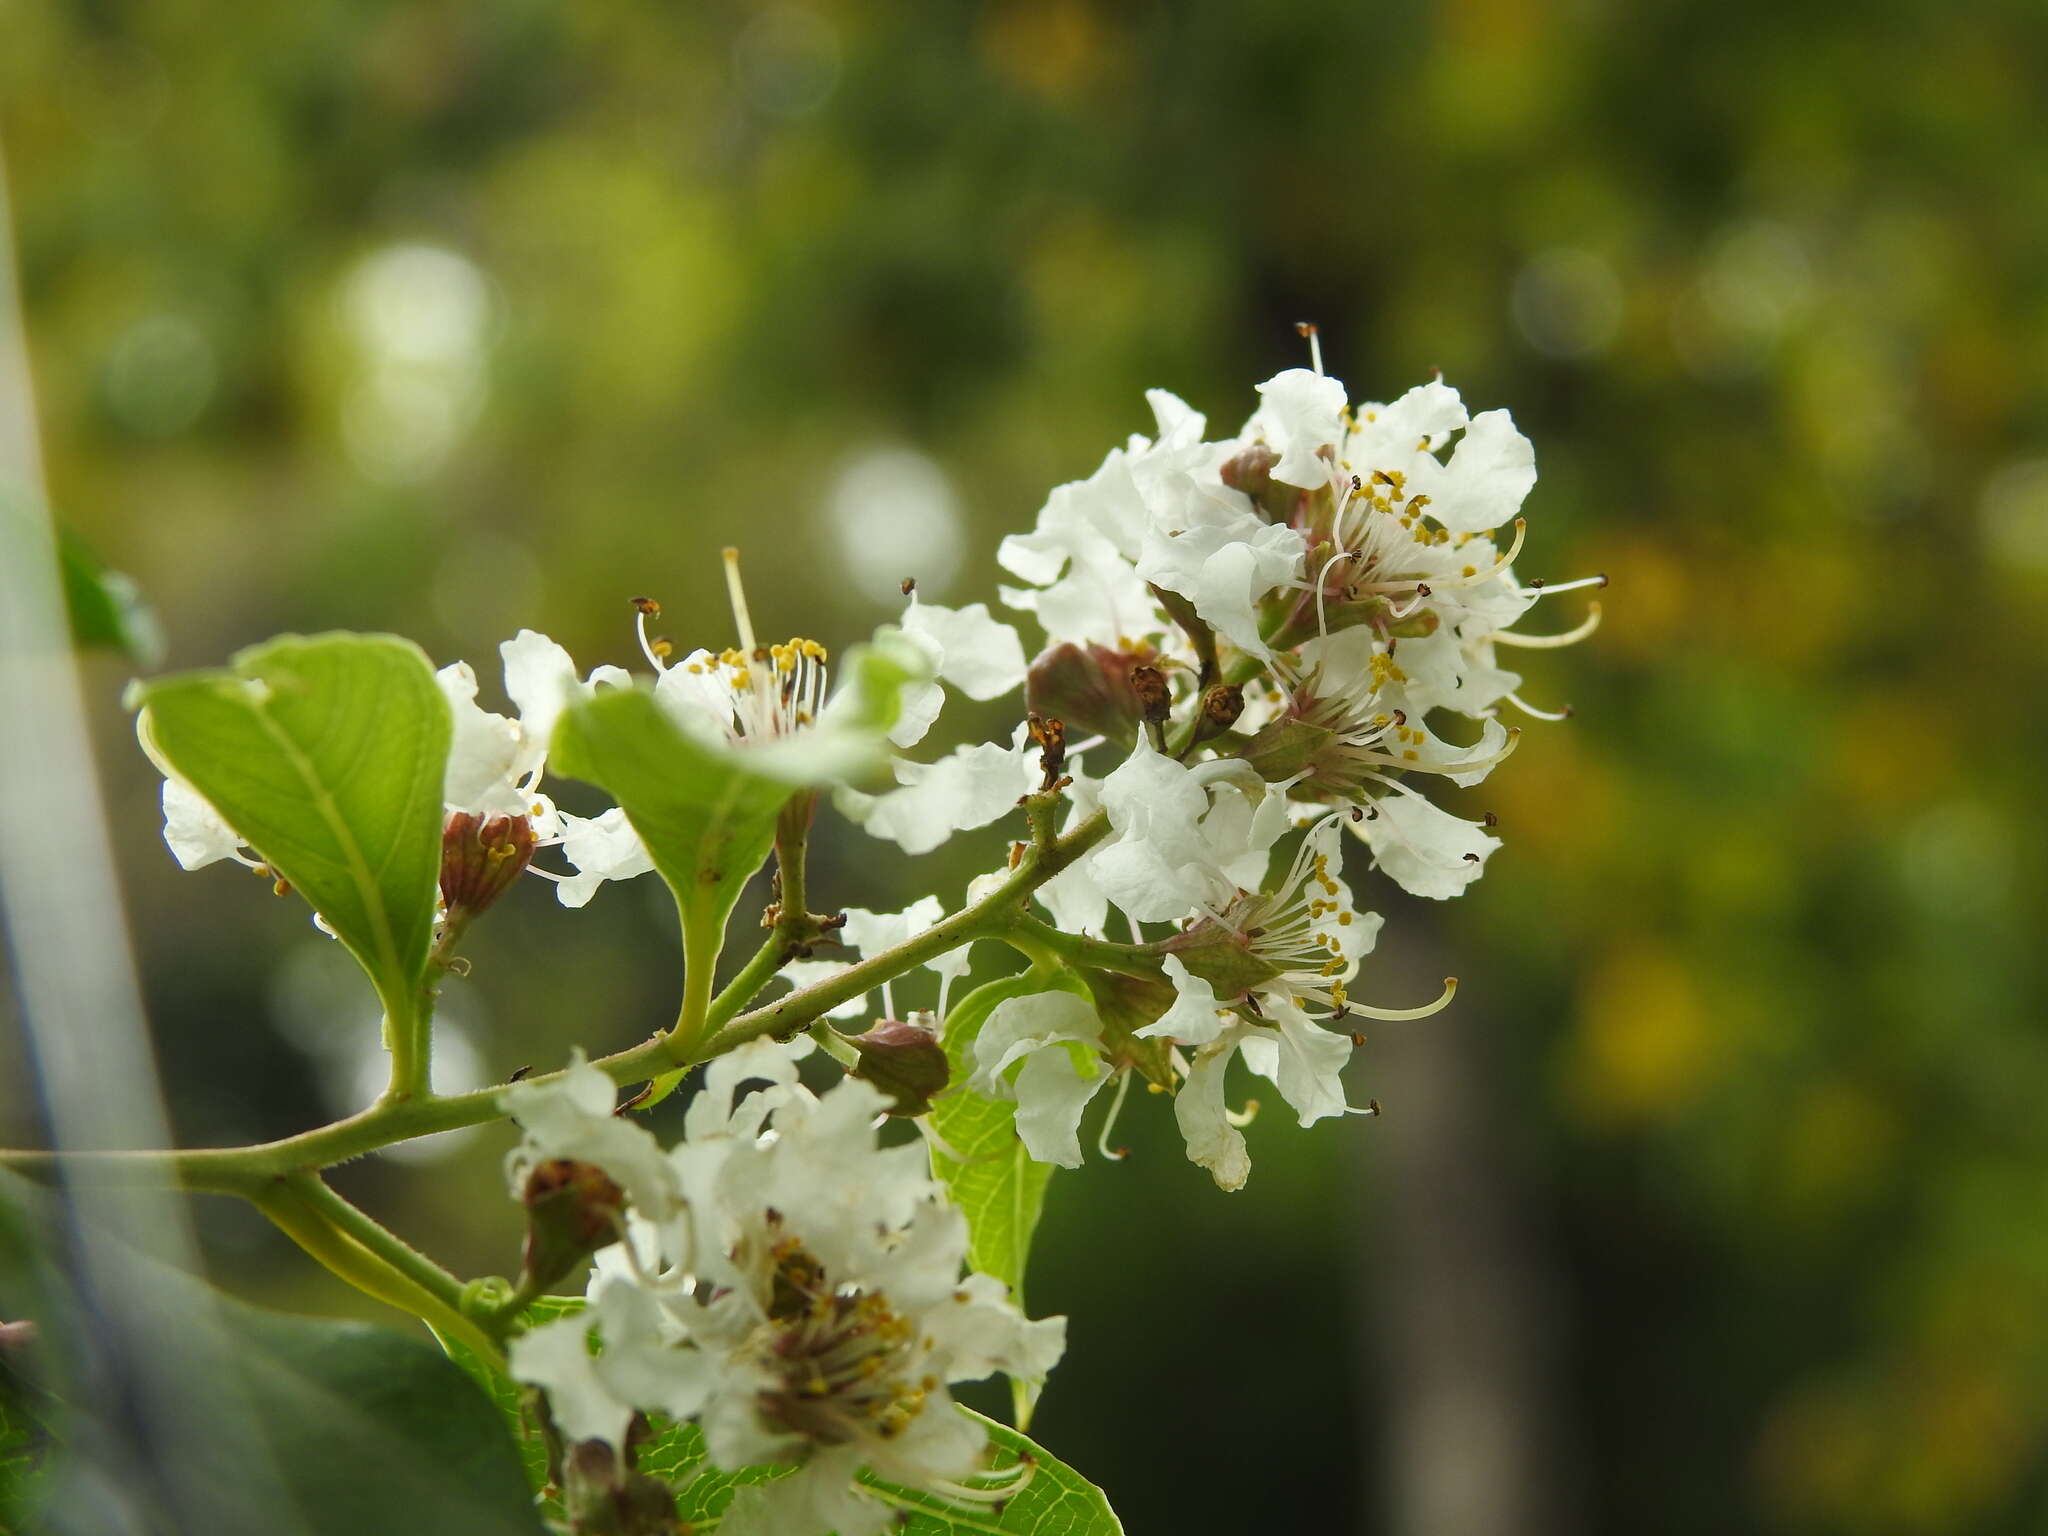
x,y
1719,1201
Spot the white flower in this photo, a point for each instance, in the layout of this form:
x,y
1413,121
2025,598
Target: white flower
x,y
495,763
806,1309
1187,837
1223,558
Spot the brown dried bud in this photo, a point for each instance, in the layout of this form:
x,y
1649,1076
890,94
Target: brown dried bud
x,y
1154,696
572,1210
1049,735
905,1061
480,859
1089,689
1221,707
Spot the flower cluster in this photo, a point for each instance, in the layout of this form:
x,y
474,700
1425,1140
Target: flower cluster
x,y
785,1283
1259,651
1263,628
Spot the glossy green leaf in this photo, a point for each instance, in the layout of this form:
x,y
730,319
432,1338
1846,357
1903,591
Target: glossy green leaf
x,y
706,814
290,1425
327,754
106,607
374,1430
508,1398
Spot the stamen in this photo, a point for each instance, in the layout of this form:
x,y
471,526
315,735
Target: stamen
x,y
1116,1105
1396,1014
645,608
1238,1119
1552,642
1309,329
1322,581
1501,562
1531,710
1551,589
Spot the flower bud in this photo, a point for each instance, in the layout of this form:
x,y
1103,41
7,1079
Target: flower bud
x,y
480,859
1225,959
1126,1004
1088,687
603,1495
1287,749
905,1061
1251,471
572,1210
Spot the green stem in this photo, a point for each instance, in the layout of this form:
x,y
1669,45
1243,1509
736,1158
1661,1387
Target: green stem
x,y
1101,954
249,1170
794,928
833,1044
986,919
701,945
371,1258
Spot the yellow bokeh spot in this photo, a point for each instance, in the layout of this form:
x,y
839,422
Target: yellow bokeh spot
x,y
1644,1046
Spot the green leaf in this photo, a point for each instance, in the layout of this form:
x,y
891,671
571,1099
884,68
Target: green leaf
x,y
1057,1501
327,755
705,813
282,1424
509,1398
106,607
374,1430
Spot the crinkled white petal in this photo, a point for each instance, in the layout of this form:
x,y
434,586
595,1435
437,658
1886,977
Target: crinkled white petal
x,y
1224,559
196,833
571,1117
979,655
1425,850
541,679
556,1357
1490,472
1423,418
1300,1058
1196,1017
1052,1087
970,787
1204,1118
602,848
484,752
1299,413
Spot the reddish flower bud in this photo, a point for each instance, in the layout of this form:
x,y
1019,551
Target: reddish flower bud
x,y
905,1061
1088,688
572,1210
480,859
